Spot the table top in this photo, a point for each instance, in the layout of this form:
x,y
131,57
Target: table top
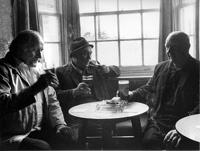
x,y
91,111
189,127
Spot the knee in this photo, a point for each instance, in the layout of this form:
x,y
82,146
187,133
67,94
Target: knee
x,y
44,145
151,143
34,144
147,141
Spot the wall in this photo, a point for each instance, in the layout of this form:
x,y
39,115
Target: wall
x,y
5,26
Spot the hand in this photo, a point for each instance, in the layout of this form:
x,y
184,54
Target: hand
x,y
82,90
49,79
120,94
67,133
103,69
172,139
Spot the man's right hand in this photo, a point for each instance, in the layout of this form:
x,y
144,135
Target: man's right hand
x,y
82,90
121,95
50,79
47,79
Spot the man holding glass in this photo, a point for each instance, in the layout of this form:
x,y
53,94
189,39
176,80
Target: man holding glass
x,y
72,90
172,93
30,114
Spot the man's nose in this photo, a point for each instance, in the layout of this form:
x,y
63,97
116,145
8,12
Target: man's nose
x,y
168,54
39,54
89,57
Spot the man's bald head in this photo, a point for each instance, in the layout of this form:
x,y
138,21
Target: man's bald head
x,y
179,40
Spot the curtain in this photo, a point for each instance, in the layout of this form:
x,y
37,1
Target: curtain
x,y
166,26
197,29
25,15
72,19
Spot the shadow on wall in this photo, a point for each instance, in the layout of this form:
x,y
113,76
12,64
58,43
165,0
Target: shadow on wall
x,y
4,44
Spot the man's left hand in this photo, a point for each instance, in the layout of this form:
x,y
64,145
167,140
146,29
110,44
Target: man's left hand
x,y
172,139
67,133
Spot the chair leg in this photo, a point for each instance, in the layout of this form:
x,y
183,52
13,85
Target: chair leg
x,y
137,131
82,133
136,126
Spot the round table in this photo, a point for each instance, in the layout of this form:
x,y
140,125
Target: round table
x,y
190,127
90,111
97,111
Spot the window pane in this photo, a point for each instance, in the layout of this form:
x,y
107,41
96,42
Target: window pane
x,y
188,1
51,28
107,27
149,4
187,19
150,52
108,53
131,53
106,5
93,51
192,46
130,25
151,25
87,27
52,55
129,4
48,6
86,6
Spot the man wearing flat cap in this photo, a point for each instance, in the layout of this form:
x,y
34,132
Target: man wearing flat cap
x,y
72,90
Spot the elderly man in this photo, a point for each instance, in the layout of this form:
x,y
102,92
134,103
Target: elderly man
x,y
28,103
72,90
172,93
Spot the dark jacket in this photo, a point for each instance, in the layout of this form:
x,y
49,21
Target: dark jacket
x,y
171,100
69,79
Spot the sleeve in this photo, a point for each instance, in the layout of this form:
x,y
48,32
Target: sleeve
x,y
146,91
114,71
196,104
64,93
12,102
107,71
54,110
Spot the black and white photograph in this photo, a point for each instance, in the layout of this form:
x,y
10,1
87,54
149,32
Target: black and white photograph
x,y
99,75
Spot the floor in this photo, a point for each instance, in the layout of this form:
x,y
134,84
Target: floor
x,y
118,144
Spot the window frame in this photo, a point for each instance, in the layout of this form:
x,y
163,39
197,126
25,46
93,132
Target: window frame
x,y
125,70
178,8
59,15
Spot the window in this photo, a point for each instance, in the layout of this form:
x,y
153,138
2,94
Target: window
x,y
50,25
124,32
186,22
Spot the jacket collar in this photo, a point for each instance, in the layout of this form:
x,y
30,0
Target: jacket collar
x,y
14,63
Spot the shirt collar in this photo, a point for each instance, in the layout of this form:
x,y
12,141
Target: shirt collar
x,y
76,68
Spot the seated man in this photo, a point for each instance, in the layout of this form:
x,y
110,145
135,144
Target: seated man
x,y
72,90
28,103
172,93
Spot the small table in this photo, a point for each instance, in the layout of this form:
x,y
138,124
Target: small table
x,y
88,111
189,127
